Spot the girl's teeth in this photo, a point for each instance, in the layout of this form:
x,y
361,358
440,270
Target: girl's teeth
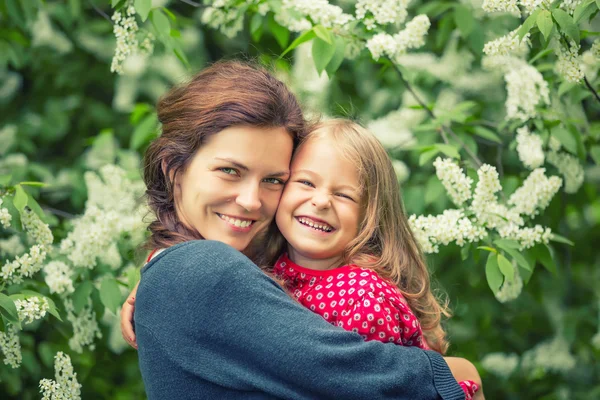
x,y
314,225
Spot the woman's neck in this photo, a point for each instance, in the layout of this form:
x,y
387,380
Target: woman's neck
x,y
319,264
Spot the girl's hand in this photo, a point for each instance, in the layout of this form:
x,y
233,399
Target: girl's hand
x,y
127,318
463,370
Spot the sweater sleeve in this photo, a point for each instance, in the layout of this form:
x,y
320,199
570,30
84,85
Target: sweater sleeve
x,y
223,321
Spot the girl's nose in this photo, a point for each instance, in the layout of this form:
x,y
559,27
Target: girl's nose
x,y
321,200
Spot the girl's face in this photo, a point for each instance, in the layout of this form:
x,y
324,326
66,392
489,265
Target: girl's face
x,y
319,211
230,190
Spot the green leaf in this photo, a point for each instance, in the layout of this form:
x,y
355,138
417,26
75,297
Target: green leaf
x,y
322,53
113,3
518,257
506,268
133,277
427,155
561,239
144,132
161,23
448,150
566,24
110,294
323,33
139,110
5,180
35,207
338,57
169,14
528,24
9,310
493,274
282,34
543,255
464,20
544,23
20,199
582,10
487,248
565,86
305,37
487,134
540,55
433,190
182,57
595,153
507,244
464,251
34,184
81,296
565,137
143,8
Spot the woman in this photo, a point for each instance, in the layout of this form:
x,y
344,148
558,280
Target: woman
x,y
209,322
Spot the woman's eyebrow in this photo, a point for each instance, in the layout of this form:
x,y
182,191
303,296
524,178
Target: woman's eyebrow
x,y
245,168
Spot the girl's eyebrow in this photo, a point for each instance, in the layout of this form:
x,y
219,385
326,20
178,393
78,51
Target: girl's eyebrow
x,y
245,168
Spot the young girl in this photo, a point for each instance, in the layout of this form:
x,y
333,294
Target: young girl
x,y
351,256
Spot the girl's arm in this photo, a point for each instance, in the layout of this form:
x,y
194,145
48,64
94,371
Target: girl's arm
x,y
211,314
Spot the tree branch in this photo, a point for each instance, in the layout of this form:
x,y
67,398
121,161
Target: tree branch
x,y
99,11
589,85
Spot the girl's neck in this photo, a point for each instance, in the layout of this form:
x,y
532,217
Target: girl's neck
x,y
323,264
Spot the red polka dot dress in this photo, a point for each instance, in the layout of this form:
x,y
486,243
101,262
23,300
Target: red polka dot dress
x,y
359,300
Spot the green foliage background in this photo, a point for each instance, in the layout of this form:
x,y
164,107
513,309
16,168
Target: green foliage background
x,y
56,88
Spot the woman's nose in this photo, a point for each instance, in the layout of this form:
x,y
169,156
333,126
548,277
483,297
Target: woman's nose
x,y
248,197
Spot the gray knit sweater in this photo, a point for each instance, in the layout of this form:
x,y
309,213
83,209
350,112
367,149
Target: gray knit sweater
x,y
211,325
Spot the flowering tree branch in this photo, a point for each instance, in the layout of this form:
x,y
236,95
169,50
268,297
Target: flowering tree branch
x,y
589,86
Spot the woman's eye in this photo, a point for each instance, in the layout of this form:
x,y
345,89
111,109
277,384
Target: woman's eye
x,y
229,171
275,181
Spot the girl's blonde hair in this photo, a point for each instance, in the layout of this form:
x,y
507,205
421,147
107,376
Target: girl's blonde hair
x,y
385,242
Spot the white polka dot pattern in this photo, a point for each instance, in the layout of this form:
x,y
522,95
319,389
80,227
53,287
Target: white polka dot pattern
x,y
356,299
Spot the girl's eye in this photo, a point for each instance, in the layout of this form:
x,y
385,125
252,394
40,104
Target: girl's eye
x,y
228,171
306,183
274,181
345,196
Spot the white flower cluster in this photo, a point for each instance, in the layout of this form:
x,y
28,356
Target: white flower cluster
x,y
529,148
38,231
58,277
110,211
569,64
24,266
401,170
320,12
382,12
32,308
472,222
570,5
12,246
411,37
535,193
569,167
510,290
126,32
224,16
65,386
457,184
500,364
525,85
5,216
11,346
394,129
550,356
451,226
500,6
531,5
85,326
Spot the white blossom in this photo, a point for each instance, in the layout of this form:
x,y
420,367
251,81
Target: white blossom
x,y
500,364
526,89
37,230
12,246
508,45
401,170
531,5
24,266
383,11
457,184
551,356
500,6
392,130
5,216
529,148
413,35
11,346
126,32
569,167
225,17
485,191
382,45
450,226
526,236
535,193
32,308
569,64
65,386
58,277
85,326
319,11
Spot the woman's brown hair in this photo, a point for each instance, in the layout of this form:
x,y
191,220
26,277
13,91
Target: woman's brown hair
x,y
385,242
226,94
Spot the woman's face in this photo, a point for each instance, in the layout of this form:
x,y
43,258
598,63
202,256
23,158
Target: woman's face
x,y
230,190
